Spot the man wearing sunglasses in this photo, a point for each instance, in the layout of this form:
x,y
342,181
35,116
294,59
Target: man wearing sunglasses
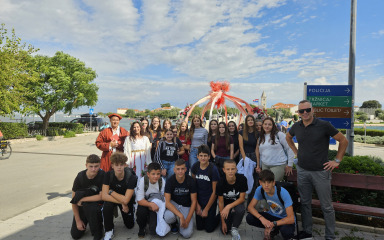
x,y
313,167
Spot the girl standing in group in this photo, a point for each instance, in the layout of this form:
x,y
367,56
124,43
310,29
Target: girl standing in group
x,y
273,151
222,147
199,136
247,144
166,125
168,152
232,128
259,124
212,132
145,125
155,130
183,135
138,149
248,139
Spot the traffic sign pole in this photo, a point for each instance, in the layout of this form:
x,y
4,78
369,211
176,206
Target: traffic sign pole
x,y
351,74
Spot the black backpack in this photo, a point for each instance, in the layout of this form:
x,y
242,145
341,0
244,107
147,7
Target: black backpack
x,y
146,183
291,188
128,172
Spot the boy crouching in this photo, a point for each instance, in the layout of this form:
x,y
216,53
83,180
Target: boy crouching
x,y
150,190
180,200
280,216
86,200
118,190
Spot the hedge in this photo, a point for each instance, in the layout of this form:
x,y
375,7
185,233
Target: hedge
x,y
54,126
369,139
370,132
14,130
368,165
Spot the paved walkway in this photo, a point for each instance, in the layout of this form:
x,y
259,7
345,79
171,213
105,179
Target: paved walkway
x,y
53,221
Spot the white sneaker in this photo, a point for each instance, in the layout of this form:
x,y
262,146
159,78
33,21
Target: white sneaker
x,y
108,235
235,234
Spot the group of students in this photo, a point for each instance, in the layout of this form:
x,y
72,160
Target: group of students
x,y
193,172
169,205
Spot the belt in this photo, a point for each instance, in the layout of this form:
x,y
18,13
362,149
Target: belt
x,y
140,150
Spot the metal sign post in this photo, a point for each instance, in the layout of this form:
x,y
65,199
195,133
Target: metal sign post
x,y
90,118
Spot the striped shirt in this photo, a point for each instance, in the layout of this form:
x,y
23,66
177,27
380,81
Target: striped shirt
x,y
200,137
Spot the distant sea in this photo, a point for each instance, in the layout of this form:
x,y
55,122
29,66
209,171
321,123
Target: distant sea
x,y
372,127
125,122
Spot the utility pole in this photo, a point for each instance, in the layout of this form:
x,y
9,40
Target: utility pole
x,y
351,74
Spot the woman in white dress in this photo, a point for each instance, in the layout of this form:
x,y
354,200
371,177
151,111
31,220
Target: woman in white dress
x,y
138,149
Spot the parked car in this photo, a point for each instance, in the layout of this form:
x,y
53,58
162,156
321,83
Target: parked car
x,y
86,119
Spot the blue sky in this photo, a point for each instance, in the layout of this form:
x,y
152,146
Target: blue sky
x,y
151,52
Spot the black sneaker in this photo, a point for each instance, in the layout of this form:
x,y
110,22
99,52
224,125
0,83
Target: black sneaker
x,y
142,233
174,228
303,236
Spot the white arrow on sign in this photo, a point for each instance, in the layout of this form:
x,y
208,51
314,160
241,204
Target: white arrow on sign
x,y
346,112
347,101
346,124
347,90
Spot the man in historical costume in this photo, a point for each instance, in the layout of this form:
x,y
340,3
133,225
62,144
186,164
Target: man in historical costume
x,y
110,140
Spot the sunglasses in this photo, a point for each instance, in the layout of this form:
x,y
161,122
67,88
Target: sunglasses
x,y
306,110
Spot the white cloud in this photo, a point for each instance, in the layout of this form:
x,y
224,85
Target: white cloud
x,y
288,52
236,40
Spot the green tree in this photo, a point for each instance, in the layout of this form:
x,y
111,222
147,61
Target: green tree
x,y
64,84
101,114
165,105
378,112
15,72
363,117
381,116
130,113
371,104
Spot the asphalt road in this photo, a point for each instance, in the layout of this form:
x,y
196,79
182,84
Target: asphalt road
x,y
39,171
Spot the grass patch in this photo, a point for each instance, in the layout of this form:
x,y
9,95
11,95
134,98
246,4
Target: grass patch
x,y
39,137
69,134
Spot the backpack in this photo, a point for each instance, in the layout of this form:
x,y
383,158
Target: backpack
x,y
291,188
128,172
146,183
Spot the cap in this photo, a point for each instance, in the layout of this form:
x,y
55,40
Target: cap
x,y
115,115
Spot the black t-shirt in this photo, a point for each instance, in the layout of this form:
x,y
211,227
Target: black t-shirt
x,y
204,179
181,192
235,138
249,145
169,150
313,143
119,186
82,182
209,144
232,192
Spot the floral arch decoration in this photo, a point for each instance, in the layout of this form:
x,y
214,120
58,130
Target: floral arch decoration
x,y
216,98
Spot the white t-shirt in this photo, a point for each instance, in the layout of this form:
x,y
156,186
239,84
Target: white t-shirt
x,y
152,188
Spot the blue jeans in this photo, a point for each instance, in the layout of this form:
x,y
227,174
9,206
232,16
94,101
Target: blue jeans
x,y
287,231
169,167
193,157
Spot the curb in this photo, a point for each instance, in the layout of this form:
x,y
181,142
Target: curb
x,y
345,225
51,138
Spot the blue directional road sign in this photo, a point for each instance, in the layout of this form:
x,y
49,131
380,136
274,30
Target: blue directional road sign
x,y
90,111
329,90
343,123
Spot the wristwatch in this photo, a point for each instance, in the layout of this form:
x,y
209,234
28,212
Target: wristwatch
x,y
274,223
110,192
337,160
